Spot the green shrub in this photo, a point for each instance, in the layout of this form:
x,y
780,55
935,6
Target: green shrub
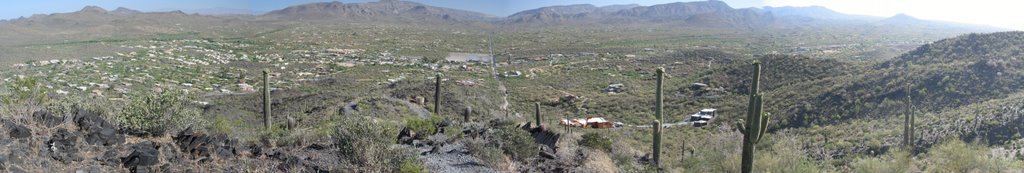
x,y
515,142
785,156
957,156
453,132
159,112
220,125
489,155
411,167
895,161
421,126
596,141
26,92
368,146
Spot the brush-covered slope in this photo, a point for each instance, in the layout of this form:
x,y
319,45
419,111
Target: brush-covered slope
x,y
943,75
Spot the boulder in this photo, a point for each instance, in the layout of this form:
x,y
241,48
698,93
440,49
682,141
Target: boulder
x,y
105,137
406,136
143,154
47,118
17,131
62,146
109,158
97,130
195,144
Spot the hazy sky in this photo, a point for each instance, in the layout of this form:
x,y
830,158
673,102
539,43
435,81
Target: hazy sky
x,y
1001,13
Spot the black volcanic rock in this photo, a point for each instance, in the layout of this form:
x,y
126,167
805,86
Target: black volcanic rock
x,y
17,131
62,146
97,130
47,118
195,144
143,154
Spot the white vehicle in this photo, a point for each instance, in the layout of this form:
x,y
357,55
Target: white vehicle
x,y
704,114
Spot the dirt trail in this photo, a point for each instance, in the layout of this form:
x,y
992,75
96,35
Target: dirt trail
x,y
497,77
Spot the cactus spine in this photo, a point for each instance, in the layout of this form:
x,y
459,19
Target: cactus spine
x,y
437,94
266,98
658,116
537,115
756,123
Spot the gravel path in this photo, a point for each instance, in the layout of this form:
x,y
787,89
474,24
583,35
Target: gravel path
x,y
454,158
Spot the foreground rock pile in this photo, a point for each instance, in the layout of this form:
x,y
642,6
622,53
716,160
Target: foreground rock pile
x,y
86,142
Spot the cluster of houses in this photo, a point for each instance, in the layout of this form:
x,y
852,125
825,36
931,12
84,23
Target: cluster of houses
x,y
193,66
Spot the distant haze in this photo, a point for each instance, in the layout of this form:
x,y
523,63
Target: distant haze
x,y
999,13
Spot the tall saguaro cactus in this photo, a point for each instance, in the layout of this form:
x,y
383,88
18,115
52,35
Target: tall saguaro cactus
x,y
658,105
437,94
266,98
908,124
756,123
537,115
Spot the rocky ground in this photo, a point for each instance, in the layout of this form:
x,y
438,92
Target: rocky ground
x,y
85,142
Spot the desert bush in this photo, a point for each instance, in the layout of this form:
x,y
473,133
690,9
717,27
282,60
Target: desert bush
x,y
596,141
785,156
157,113
515,142
368,146
453,132
26,92
719,151
894,161
411,167
489,155
957,156
421,126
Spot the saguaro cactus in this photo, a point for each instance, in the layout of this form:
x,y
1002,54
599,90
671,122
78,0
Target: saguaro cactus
x,y
537,115
756,123
468,114
656,146
908,124
658,94
266,98
437,94
658,105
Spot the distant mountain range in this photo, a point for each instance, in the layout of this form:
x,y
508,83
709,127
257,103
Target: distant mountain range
x,y
375,11
702,13
713,13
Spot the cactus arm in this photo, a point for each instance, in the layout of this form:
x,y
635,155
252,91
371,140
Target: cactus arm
x,y
764,126
657,143
739,126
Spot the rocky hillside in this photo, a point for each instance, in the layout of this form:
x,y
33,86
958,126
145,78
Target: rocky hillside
x,y
86,142
938,76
